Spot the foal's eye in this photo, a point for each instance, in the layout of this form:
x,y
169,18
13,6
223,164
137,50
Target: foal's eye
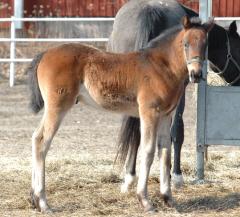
x,y
186,44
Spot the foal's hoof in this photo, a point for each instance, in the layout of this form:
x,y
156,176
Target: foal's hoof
x,y
149,209
147,206
36,204
168,201
34,201
47,210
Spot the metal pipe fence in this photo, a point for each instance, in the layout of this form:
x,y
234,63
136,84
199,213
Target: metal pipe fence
x,y
13,40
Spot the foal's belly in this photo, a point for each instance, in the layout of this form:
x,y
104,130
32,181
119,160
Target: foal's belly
x,y
107,100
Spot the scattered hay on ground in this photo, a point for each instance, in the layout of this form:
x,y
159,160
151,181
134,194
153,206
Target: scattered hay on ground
x,y
81,179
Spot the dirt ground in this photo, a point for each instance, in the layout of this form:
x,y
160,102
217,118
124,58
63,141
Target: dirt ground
x,y
81,179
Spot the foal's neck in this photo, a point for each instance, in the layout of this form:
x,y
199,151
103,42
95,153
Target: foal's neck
x,y
170,54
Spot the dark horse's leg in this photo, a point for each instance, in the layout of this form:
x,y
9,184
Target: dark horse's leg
x,y
129,143
130,174
177,134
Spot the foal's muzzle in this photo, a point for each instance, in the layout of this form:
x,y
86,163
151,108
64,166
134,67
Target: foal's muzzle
x,y
195,69
195,77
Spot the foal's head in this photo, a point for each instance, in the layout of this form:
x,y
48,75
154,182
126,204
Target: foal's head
x,y
194,43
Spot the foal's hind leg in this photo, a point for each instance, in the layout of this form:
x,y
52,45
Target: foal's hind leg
x,y
41,141
149,122
164,145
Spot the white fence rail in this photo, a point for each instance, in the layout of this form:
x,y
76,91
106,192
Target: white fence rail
x,y
12,40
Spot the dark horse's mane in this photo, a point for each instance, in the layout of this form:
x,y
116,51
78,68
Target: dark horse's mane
x,y
149,23
164,36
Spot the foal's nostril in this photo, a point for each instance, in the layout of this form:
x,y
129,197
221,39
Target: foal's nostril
x,y
196,74
192,73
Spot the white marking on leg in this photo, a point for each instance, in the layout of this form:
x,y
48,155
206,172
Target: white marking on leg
x,y
146,161
38,160
148,144
128,182
177,180
164,172
165,157
41,142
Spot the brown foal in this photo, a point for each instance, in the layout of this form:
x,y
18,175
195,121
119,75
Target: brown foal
x,y
146,84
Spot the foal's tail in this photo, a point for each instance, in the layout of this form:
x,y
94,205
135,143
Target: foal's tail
x,y
36,101
151,24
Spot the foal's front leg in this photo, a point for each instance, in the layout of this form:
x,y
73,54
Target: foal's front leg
x,y
149,121
164,146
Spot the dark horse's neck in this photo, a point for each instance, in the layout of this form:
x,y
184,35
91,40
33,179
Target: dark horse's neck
x,y
216,40
167,52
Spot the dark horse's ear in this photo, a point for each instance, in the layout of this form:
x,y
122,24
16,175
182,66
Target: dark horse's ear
x,y
209,24
186,22
233,28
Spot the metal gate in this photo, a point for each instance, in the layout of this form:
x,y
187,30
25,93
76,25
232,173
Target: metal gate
x,y
218,123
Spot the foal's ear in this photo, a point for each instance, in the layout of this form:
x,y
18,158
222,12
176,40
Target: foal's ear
x,y
233,28
209,24
186,22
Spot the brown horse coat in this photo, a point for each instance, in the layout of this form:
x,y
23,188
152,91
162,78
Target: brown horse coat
x,y
111,83
147,83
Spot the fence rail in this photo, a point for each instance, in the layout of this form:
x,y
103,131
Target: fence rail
x,y
12,40
53,39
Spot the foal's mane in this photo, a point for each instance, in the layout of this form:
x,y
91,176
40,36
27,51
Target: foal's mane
x,y
167,34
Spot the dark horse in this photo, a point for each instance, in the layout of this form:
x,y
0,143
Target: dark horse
x,y
136,23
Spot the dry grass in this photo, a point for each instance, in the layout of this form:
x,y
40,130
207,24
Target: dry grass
x,y
215,80
81,180
77,189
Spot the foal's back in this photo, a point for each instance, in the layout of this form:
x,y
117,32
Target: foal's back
x,y
76,58
109,79
68,59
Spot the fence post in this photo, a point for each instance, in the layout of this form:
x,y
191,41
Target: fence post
x,y
201,102
12,52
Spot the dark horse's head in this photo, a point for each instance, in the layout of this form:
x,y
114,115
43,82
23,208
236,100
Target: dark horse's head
x,y
224,52
194,42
